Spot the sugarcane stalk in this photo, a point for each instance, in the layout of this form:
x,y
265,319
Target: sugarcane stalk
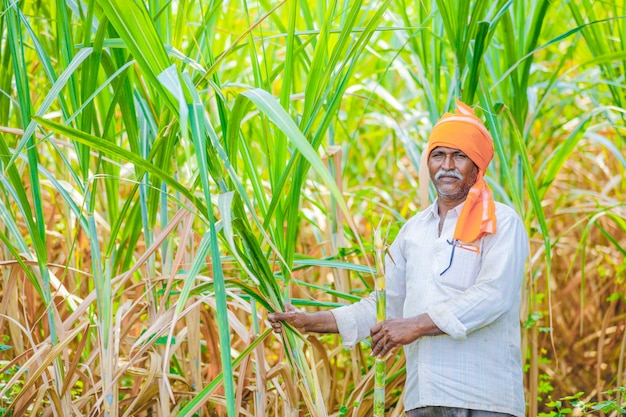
x,y
381,307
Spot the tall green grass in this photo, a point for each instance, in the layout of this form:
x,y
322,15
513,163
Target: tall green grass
x,y
172,171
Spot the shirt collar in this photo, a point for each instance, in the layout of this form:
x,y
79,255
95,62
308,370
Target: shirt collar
x,y
433,209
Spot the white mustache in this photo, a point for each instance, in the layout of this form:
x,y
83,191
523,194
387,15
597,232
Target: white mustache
x,y
451,173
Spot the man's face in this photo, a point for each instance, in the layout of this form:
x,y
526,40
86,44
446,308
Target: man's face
x,y
452,173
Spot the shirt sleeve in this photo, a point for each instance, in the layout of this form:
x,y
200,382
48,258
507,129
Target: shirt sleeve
x,y
497,287
355,321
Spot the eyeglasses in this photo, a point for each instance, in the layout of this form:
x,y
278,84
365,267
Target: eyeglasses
x,y
453,243
465,246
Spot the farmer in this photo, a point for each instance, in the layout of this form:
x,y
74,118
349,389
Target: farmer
x,y
453,278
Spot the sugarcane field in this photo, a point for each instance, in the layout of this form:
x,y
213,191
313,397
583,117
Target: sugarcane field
x,y
343,208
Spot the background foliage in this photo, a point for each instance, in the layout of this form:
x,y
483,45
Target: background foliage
x,y
172,170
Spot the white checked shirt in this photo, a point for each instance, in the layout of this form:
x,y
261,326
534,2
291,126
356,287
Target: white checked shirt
x,y
477,363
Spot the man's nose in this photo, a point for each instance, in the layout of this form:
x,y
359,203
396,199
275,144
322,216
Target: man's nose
x,y
448,163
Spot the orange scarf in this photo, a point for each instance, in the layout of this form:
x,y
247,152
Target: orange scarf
x,y
464,131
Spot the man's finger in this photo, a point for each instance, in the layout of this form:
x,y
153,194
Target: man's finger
x,y
277,316
377,347
378,334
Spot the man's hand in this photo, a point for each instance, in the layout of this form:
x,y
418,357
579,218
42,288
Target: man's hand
x,y
391,334
397,332
292,315
319,322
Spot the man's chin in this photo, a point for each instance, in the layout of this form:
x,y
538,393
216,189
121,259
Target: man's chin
x,y
455,194
445,190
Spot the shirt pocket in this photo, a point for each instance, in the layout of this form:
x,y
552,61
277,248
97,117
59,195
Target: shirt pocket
x,y
461,267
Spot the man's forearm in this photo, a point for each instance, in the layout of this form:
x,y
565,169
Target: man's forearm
x,y
425,326
320,322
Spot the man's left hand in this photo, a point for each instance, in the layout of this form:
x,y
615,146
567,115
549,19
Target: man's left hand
x,y
391,334
394,333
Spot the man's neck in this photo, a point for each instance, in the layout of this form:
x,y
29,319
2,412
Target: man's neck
x,y
443,206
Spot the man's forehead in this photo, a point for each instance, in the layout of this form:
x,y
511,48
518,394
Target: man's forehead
x,y
446,149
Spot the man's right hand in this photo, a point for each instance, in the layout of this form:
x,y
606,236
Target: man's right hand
x,y
319,322
291,315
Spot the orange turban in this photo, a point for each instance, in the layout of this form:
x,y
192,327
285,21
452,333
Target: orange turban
x,y
464,131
